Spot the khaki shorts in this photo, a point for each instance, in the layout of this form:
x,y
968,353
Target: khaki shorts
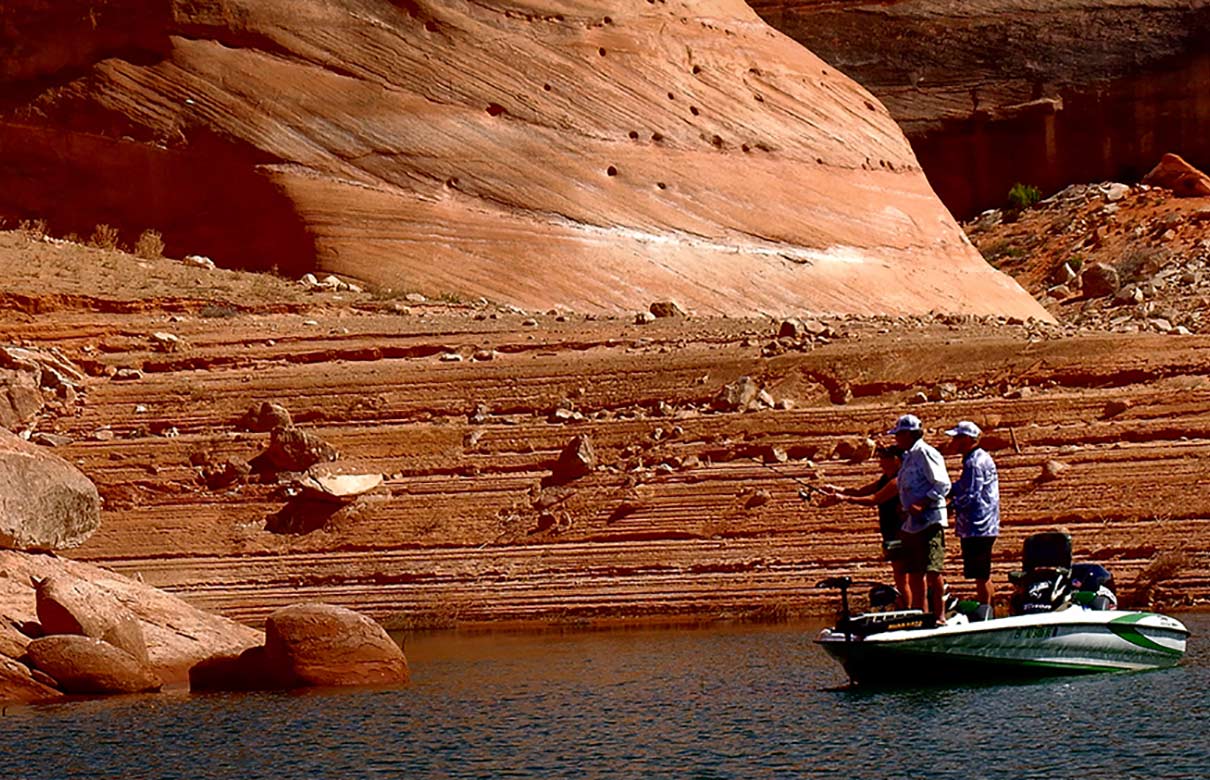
x,y
924,552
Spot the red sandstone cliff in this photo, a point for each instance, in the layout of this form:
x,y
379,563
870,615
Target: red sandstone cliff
x,y
590,154
1047,92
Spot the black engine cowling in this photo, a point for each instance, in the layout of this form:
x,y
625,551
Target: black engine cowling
x,y
1041,590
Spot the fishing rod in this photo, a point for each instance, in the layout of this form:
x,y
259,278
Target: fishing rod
x,y
807,489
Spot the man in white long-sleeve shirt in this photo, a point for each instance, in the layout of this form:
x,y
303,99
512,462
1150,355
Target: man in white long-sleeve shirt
x,y
923,486
976,501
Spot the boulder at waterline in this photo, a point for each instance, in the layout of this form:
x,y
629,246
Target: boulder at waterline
x,y
322,645
75,606
85,665
177,634
17,685
246,671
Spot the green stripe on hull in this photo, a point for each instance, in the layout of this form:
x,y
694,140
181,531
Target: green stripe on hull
x,y
1124,628
1132,635
1133,617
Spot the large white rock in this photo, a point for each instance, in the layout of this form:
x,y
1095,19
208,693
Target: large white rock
x,y
317,484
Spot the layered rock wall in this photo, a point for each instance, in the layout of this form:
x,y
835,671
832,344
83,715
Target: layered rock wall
x,y
594,154
1046,92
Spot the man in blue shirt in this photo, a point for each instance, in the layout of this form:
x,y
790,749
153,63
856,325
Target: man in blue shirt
x,y
976,502
923,486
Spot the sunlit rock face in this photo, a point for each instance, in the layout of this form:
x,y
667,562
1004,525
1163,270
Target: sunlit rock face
x,y
589,154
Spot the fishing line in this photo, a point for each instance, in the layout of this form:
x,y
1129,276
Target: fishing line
x,y
808,490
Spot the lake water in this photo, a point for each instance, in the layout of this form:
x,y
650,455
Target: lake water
x,y
740,702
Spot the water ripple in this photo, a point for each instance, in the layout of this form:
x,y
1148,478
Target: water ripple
x,y
751,702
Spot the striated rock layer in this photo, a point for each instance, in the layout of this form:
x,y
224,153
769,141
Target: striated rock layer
x,y
687,505
591,154
1046,92
681,516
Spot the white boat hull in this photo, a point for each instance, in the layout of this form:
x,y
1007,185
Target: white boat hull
x,y
1070,641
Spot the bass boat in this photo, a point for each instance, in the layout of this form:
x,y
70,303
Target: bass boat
x,y
1065,621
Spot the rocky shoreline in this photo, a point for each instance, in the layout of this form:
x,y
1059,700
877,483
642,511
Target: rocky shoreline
x,y
72,629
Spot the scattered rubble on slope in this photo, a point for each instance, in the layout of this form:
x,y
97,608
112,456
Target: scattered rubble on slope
x,y
1109,256
33,379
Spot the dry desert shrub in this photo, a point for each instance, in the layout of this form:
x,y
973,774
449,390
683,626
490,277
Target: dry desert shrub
x,y
34,229
104,237
1139,263
150,245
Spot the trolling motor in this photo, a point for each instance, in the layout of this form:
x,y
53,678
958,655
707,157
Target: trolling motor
x,y
881,597
843,583
882,615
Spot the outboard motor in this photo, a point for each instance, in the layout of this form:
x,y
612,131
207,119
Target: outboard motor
x,y
1046,550
1094,587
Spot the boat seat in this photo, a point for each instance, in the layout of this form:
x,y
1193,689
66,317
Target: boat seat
x,y
974,611
883,596
1049,549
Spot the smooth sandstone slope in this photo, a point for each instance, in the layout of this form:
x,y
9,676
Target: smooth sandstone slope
x,y
1045,92
595,155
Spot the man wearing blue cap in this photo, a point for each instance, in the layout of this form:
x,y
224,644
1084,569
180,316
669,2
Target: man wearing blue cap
x,y
976,501
923,486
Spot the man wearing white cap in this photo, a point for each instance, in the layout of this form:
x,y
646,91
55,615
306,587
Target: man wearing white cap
x,y
976,501
923,486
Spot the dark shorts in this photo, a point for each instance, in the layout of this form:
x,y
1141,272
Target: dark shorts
x,y
924,552
977,557
892,549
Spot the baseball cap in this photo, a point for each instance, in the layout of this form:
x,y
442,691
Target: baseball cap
x,y
965,428
908,422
